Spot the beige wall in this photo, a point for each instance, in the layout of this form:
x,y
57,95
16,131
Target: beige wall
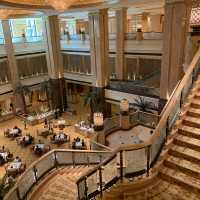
x,y
152,23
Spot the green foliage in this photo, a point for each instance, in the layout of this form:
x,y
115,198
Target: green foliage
x,y
90,99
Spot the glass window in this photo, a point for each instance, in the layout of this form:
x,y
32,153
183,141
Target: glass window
x,y
31,28
68,25
1,34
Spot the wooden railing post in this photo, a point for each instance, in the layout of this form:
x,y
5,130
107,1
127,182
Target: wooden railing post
x,y
101,182
86,188
148,159
55,160
73,159
121,166
18,193
35,173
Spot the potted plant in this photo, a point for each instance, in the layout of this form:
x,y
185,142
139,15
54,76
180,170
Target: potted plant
x,y
90,100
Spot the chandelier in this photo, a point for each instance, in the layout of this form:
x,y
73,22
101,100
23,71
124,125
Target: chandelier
x,y
60,5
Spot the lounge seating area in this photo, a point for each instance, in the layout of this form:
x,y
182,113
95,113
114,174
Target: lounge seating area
x,y
60,138
15,167
79,144
13,132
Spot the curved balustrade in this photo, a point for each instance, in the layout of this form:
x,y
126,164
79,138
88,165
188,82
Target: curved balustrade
x,y
49,161
137,159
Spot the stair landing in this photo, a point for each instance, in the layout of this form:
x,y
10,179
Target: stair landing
x,y
61,185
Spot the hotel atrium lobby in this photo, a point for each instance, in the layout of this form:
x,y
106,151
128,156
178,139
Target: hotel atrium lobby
x,y
99,99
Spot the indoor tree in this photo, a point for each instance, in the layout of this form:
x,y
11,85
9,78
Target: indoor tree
x,y
90,100
45,89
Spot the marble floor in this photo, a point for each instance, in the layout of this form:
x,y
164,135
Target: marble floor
x,y
25,152
135,135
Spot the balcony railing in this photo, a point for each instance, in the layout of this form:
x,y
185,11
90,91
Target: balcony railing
x,y
51,160
133,87
138,159
112,36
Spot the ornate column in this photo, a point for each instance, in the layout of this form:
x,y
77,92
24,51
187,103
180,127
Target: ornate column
x,y
121,28
98,32
12,63
55,63
174,41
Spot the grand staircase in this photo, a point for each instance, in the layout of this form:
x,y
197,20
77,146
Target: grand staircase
x,y
60,185
181,165
178,174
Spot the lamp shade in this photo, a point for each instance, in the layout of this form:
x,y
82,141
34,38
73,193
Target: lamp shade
x,y
98,119
124,105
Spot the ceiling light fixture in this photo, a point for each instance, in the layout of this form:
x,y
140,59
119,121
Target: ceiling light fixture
x,y
60,5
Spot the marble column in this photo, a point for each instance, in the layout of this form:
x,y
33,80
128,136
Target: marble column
x,y
174,41
55,63
19,102
98,32
121,28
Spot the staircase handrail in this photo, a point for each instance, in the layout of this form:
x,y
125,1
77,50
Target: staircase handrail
x,y
163,119
33,168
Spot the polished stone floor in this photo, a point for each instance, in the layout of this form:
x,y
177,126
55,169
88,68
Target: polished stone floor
x,y
135,135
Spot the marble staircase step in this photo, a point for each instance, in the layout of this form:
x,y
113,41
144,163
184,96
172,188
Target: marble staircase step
x,y
193,112
191,121
185,166
189,131
187,142
179,178
195,103
185,153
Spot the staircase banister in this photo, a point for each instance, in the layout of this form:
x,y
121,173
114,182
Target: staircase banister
x,y
114,153
93,170
31,167
101,145
177,92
